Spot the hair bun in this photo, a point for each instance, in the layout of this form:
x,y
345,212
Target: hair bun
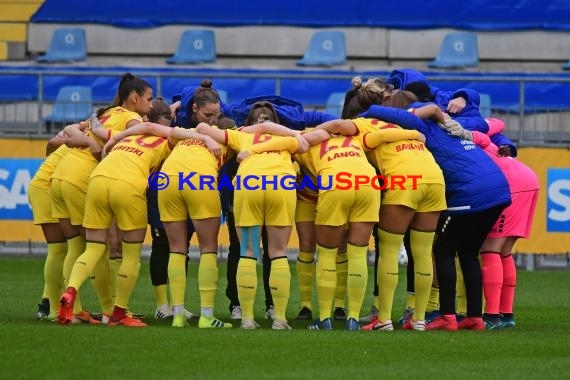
x,y
356,82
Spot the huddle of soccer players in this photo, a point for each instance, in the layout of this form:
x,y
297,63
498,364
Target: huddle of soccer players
x,y
459,197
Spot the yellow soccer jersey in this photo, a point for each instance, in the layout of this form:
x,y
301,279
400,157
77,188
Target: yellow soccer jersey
x,y
276,162
133,159
339,154
76,166
43,175
401,158
193,156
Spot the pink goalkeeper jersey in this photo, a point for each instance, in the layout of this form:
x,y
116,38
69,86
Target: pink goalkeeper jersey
x,y
520,177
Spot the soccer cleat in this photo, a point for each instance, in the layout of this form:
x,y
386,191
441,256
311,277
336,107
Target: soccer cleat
x,y
179,320
325,324
249,324
379,325
410,324
352,325
471,323
163,312
85,317
408,312
236,312
65,311
459,317
507,322
443,322
432,315
370,317
278,324
213,323
43,309
270,313
189,315
127,321
304,314
492,322
339,314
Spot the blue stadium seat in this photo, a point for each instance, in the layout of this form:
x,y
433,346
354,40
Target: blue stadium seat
x,y
326,48
335,102
66,45
566,66
457,50
195,46
485,105
73,103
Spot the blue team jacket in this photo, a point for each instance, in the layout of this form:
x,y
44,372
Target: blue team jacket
x,y
473,182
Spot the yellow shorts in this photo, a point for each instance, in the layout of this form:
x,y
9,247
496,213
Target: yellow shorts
x,y
427,197
338,207
269,207
41,202
305,211
108,198
68,201
178,205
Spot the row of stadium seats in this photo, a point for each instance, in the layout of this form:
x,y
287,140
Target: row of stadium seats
x,y
326,48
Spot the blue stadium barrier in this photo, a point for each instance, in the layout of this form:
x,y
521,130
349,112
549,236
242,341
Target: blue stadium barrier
x,y
542,91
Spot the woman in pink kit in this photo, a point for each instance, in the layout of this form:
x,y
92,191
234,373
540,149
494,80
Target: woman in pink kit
x,y
498,265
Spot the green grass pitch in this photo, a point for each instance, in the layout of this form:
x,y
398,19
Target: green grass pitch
x,y
539,347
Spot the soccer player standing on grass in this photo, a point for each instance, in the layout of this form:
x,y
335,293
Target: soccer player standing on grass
x,y
39,196
69,180
262,202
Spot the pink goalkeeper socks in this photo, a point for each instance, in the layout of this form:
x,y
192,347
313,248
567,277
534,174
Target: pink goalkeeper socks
x,y
492,272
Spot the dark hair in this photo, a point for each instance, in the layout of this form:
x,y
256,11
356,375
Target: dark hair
x,y
225,122
261,111
352,107
205,94
127,85
421,90
159,109
401,99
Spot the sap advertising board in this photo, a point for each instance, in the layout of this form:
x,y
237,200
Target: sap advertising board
x,y
15,176
558,200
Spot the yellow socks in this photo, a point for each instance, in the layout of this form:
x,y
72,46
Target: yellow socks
x,y
85,264
433,302
460,295
75,247
114,265
246,279
305,273
326,280
161,295
357,278
128,273
208,279
280,284
421,244
101,281
388,271
341,277
53,273
177,278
